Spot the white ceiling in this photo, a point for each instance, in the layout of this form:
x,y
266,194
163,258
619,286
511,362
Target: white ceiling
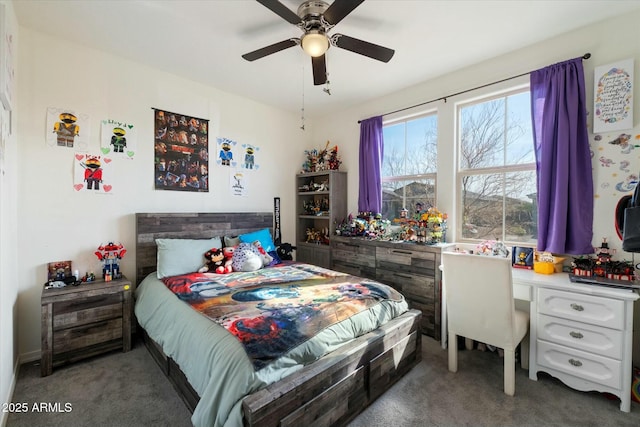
x,y
203,40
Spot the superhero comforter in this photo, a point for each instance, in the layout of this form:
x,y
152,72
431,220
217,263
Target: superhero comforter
x,y
216,326
272,310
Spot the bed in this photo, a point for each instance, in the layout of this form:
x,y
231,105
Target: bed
x,y
299,388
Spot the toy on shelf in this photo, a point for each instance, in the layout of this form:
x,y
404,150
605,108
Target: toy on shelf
x,y
110,254
424,226
602,265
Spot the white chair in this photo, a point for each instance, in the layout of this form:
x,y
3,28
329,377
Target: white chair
x,y
479,298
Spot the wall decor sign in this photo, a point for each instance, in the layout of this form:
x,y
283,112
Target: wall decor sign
x,y
7,72
613,97
181,152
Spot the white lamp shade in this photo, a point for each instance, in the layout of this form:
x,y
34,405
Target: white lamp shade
x,y
315,44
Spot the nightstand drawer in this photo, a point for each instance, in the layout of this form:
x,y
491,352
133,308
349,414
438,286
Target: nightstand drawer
x,y
96,309
582,336
582,308
580,364
86,335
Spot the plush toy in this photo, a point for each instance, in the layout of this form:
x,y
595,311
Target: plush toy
x,y
247,257
215,262
266,258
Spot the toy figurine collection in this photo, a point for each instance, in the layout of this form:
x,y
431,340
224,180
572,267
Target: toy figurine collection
x,y
602,265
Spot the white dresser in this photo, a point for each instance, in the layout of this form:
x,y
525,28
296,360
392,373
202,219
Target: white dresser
x,y
583,336
580,334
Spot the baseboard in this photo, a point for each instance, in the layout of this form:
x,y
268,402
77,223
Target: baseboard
x,y
31,356
9,397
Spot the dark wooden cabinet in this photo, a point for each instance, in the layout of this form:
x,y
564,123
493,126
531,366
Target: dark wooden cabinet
x,y
83,321
321,203
411,268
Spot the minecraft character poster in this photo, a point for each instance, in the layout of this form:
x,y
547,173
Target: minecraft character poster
x,y
181,152
92,173
67,128
118,139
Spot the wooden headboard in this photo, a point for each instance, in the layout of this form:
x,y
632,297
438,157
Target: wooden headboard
x,y
152,226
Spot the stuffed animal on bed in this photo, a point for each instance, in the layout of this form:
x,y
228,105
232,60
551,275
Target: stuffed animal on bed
x,y
217,262
247,257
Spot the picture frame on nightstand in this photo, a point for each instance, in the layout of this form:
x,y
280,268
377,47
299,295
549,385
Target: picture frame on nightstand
x,y
59,270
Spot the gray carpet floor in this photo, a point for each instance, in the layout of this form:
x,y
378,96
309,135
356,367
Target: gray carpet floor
x,y
128,389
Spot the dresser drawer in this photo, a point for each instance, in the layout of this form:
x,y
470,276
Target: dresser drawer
x,y
406,260
599,311
412,286
353,254
580,364
581,336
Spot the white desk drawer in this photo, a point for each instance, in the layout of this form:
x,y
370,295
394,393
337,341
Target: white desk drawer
x,y
582,336
596,310
580,364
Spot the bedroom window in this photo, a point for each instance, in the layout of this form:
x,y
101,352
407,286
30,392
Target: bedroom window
x,y
496,174
409,165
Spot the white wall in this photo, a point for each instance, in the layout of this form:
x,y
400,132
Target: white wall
x,y
57,223
8,244
608,41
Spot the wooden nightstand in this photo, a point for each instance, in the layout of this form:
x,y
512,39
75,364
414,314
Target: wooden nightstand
x,y
85,320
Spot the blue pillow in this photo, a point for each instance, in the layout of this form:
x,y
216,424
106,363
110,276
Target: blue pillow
x,y
264,236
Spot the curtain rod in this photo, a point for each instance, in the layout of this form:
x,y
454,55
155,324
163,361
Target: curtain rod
x,y
585,56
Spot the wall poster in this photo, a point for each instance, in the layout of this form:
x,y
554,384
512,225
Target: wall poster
x,y
67,128
181,152
92,173
613,97
118,138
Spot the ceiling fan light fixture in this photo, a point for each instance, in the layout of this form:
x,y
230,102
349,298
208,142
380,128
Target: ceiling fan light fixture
x,y
315,43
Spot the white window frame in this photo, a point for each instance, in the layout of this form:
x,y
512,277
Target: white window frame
x,y
462,173
431,175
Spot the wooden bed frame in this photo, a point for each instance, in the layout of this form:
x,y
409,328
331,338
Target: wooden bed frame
x,y
329,392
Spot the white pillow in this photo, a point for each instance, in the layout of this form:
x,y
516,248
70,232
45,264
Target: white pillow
x,y
182,256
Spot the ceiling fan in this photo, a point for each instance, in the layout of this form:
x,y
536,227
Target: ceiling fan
x,y
316,18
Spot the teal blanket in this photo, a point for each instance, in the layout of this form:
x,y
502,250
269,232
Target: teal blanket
x,y
216,363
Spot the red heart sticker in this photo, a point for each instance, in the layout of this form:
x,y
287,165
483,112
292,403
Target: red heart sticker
x,y
107,160
79,156
78,187
107,188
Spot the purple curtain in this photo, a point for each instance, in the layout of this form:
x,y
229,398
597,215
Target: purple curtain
x,y
563,160
371,153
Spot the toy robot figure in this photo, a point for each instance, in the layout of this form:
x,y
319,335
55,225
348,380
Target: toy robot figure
x,y
118,140
67,129
249,159
225,154
93,172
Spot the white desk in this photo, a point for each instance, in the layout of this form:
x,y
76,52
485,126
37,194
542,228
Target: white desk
x,y
580,334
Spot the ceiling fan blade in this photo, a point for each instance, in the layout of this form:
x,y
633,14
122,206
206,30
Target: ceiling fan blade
x,y
268,50
362,47
319,65
281,10
339,9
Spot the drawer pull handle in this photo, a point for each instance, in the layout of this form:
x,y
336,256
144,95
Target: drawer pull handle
x,y
575,362
576,335
577,307
404,276
401,252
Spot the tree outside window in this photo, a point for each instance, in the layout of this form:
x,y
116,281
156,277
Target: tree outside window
x,y
496,170
409,165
